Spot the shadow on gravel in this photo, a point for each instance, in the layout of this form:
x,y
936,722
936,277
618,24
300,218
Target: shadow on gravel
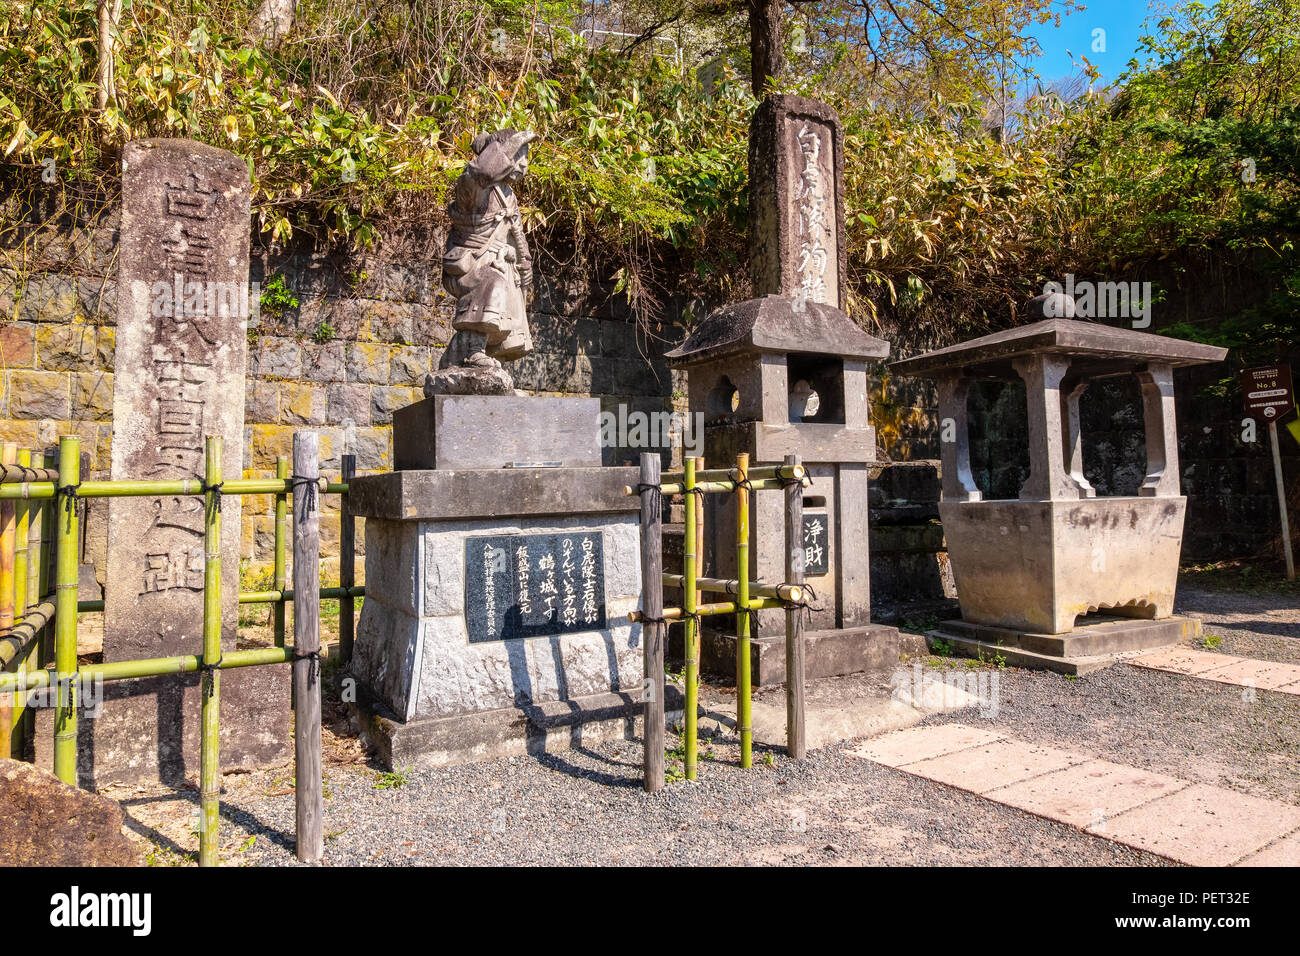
x,y
556,761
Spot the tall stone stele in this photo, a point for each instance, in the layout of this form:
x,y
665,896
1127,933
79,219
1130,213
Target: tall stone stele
x,y
786,373
178,376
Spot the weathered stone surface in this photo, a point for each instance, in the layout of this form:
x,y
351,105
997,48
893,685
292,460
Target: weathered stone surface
x,y
64,348
796,200
348,403
179,376
419,662
17,344
277,357
1037,565
49,823
409,364
324,363
92,396
367,363
469,380
34,395
477,431
442,495
1092,346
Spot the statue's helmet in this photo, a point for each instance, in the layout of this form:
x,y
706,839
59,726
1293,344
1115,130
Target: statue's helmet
x,y
502,154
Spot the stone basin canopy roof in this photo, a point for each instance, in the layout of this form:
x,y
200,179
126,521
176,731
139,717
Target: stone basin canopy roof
x,y
773,323
1096,350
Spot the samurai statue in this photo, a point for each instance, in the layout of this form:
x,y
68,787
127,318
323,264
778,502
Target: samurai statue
x,y
488,267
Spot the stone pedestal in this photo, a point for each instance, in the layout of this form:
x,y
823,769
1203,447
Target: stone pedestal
x,y
495,619
496,431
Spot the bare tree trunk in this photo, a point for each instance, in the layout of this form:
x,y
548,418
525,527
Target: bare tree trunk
x,y
110,12
766,43
273,20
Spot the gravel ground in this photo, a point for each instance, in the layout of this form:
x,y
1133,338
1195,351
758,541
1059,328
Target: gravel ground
x,y
1263,626
587,806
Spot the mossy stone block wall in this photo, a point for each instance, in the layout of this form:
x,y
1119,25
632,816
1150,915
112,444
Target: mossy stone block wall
x,y
337,342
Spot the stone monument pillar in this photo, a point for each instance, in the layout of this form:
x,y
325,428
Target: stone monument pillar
x,y
178,377
502,560
787,373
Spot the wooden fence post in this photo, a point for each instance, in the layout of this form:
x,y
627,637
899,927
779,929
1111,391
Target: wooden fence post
x,y
309,801
652,628
347,565
794,567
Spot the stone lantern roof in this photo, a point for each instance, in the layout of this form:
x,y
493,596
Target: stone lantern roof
x,y
1096,350
775,323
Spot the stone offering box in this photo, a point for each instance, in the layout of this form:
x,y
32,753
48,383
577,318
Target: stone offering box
x,y
1030,572
497,597
776,376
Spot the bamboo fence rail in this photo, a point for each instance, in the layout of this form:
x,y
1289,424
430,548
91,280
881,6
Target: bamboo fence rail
x,y
40,531
693,483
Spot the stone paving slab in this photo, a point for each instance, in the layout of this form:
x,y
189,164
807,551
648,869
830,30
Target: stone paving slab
x,y
1087,794
1203,825
1283,852
1224,669
904,747
1003,762
1187,822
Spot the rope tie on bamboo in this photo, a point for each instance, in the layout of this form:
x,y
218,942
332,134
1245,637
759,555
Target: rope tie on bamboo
x,y
312,484
805,605
213,488
210,672
69,492
743,483
805,482
694,491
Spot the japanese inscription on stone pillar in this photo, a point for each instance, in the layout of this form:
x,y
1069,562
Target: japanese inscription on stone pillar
x,y
178,377
796,201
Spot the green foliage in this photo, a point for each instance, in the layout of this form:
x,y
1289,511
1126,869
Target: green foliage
x,y
357,123
276,297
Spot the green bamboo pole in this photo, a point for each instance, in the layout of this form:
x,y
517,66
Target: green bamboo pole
x,y
347,565
256,597
743,723
67,520
22,526
786,592
712,487
152,667
692,638
149,489
209,758
765,472
281,526
35,591
8,594
709,610
49,521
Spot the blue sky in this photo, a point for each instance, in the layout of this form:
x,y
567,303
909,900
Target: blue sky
x,y
1122,21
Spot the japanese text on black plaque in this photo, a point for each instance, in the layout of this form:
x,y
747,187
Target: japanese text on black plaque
x,y
534,585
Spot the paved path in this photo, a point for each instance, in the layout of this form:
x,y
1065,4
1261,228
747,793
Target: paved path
x,y
1223,668
1183,821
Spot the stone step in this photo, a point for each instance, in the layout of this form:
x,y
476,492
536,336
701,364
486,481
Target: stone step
x,y
1018,657
867,649
1093,636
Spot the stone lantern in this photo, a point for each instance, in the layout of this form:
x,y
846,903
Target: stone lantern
x,y
1031,572
786,373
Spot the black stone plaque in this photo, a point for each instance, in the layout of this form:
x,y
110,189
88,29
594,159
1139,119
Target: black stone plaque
x,y
534,585
816,545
